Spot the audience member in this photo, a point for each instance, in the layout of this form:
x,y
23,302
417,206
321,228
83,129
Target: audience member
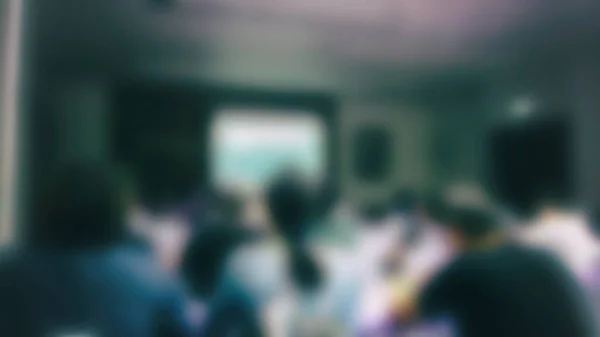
x,y
76,277
219,307
416,248
294,274
566,232
499,288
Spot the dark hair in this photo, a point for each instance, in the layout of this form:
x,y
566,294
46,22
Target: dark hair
x,y
374,211
551,198
436,207
206,256
82,205
405,200
291,207
289,202
472,222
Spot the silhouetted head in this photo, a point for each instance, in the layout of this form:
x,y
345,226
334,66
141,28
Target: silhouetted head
x,y
551,201
436,208
289,201
206,257
83,205
374,212
406,201
472,226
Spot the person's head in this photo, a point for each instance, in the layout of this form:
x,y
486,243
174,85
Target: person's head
x,y
406,201
290,205
436,208
472,227
550,202
83,205
206,257
374,212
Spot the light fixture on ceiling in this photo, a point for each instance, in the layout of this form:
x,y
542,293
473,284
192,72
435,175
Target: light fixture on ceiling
x,y
522,107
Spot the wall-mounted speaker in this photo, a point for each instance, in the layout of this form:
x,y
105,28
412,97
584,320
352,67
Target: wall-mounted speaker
x,y
531,162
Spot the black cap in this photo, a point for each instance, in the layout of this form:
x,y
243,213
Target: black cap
x,y
472,222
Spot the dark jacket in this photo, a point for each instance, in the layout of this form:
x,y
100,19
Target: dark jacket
x,y
102,292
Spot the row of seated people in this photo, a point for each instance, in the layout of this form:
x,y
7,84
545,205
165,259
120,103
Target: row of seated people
x,y
444,267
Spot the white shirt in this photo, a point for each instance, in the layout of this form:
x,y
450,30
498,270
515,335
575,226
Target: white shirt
x,y
568,235
426,255
376,242
262,269
422,258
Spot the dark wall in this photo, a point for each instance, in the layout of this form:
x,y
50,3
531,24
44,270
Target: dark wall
x,y
161,131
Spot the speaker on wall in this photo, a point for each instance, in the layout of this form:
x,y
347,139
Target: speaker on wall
x,y
372,146
530,163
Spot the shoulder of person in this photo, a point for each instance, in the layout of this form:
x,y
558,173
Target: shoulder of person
x,y
138,269
544,255
459,267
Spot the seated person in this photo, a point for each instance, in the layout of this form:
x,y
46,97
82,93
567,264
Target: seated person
x,y
419,250
220,307
289,272
565,232
495,287
77,277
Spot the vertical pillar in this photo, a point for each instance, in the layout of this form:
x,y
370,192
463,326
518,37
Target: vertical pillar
x,y
10,57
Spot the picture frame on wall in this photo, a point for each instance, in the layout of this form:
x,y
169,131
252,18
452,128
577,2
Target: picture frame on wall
x,y
372,154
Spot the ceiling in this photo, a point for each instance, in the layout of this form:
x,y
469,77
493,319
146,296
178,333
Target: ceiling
x,y
349,44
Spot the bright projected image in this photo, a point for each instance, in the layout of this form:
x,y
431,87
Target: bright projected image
x,y
249,146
